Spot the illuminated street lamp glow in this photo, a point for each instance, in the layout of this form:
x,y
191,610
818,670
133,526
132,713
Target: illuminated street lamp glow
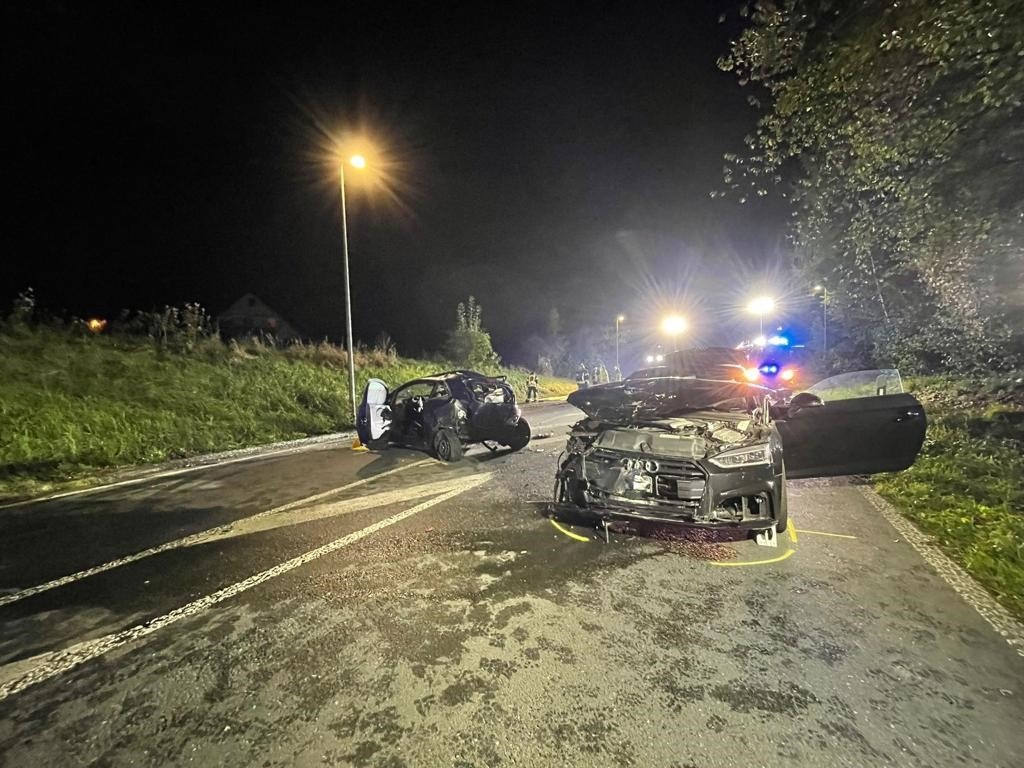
x,y
621,318
761,305
673,325
358,161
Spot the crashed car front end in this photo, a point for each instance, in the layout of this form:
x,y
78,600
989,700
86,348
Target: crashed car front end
x,y
703,467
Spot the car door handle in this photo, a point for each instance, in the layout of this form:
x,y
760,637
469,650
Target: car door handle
x,y
907,415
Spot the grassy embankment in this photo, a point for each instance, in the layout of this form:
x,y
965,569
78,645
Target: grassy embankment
x,y
967,487
73,407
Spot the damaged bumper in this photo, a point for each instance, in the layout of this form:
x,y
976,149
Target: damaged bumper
x,y
689,492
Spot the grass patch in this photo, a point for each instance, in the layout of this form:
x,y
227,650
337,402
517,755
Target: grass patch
x,y
967,487
72,405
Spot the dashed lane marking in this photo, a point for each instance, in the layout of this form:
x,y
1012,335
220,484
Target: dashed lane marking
x,y
972,592
196,538
57,663
567,532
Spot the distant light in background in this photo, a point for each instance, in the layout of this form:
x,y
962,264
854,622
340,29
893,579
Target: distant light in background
x,y
751,374
787,374
762,305
778,341
96,324
760,341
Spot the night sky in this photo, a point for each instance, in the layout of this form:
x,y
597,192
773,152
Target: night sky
x,y
547,157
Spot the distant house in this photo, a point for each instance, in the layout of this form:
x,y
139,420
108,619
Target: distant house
x,y
250,316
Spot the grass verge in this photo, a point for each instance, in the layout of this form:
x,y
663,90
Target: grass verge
x,y
967,487
73,406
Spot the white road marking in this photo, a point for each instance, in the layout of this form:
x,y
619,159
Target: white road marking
x,y
195,538
50,665
307,444
973,593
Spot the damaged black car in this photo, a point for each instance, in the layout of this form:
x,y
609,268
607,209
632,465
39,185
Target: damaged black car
x,y
707,451
443,414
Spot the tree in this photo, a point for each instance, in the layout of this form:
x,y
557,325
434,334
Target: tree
x,y
900,131
468,343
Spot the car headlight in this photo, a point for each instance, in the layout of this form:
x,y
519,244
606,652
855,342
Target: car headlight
x,y
750,456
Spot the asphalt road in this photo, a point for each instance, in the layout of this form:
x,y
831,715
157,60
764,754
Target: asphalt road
x,y
331,607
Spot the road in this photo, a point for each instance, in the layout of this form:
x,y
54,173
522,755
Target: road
x,y
331,607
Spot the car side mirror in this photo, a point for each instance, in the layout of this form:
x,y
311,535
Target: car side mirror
x,y
802,402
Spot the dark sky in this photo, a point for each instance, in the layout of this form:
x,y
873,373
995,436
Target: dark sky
x,y
550,157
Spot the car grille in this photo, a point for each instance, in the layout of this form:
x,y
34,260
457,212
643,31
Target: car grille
x,y
682,481
677,481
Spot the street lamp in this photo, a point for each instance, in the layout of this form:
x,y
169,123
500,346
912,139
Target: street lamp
x,y
357,161
619,319
761,306
823,290
673,325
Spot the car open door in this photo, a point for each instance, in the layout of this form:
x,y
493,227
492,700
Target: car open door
x,y
851,432
374,418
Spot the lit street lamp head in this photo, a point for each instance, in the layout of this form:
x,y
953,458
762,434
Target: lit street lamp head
x,y
358,161
761,305
621,318
673,325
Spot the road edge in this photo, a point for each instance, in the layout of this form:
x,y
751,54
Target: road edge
x,y
141,473
975,595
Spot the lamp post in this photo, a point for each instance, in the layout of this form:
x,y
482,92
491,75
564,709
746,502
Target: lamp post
x,y
823,290
760,307
619,319
358,161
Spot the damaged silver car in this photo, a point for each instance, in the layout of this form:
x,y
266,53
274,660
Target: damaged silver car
x,y
696,448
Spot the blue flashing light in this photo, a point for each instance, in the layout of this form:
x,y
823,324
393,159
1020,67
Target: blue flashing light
x,y
779,341
768,369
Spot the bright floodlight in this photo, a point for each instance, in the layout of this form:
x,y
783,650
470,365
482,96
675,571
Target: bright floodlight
x,y
761,305
673,325
358,161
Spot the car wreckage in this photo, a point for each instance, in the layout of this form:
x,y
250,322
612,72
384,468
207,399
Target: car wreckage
x,y
702,449
443,414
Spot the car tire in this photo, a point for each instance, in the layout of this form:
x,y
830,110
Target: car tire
x,y
782,518
519,437
447,446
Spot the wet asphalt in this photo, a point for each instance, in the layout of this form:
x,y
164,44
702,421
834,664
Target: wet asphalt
x,y
472,631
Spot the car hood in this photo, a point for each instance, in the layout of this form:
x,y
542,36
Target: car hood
x,y
636,401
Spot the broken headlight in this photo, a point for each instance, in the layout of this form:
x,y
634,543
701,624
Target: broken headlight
x,y
749,456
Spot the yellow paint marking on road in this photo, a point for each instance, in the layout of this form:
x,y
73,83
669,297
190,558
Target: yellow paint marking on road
x,y
783,556
791,529
568,533
825,533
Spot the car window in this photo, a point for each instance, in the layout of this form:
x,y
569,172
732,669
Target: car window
x,y
487,391
440,391
845,386
422,389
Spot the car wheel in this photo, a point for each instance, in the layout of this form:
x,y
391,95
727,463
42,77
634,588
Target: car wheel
x,y
519,436
447,446
782,518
